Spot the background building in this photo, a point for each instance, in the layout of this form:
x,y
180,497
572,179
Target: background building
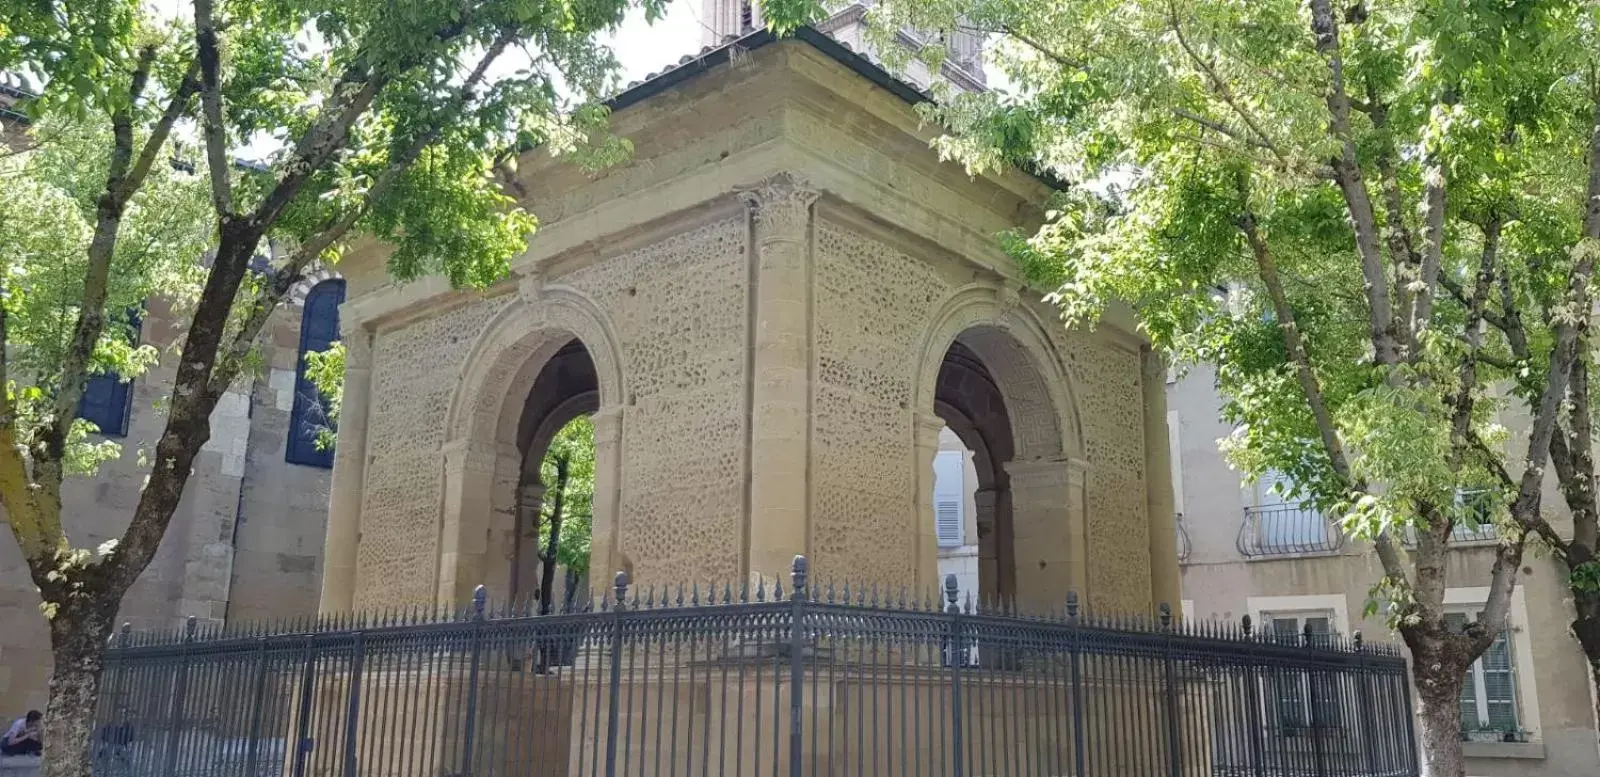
x,y
246,541
1245,551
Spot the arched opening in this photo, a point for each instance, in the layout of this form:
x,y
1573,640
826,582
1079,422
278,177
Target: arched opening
x,y
955,492
993,397
970,403
553,522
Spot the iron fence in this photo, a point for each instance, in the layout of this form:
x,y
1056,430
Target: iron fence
x,y
1287,530
694,681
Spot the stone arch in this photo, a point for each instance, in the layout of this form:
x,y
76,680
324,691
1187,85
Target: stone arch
x,y
1011,339
991,373
487,443
505,360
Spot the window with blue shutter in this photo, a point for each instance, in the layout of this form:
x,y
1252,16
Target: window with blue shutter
x,y
319,328
108,399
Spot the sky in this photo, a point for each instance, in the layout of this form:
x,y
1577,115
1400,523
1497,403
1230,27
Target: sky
x,y
647,48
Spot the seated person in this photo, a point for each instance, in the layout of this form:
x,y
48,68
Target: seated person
x,y
24,737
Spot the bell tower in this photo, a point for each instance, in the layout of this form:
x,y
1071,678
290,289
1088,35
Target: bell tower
x,y
963,67
725,18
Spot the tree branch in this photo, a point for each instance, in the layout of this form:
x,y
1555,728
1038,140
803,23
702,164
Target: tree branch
x,y
1349,177
209,57
1221,89
1267,267
199,381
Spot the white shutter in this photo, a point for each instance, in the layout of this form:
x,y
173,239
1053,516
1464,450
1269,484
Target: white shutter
x,y
1175,458
948,490
1269,486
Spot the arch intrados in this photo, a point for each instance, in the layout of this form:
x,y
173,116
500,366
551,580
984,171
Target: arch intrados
x,y
587,403
567,373
972,437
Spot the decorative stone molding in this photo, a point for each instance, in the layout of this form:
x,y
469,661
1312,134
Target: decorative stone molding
x,y
781,206
530,287
475,455
1007,300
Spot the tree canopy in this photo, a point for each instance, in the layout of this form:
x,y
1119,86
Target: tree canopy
x,y
396,122
1379,221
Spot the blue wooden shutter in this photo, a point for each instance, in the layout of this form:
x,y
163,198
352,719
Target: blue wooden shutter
x,y
107,398
319,328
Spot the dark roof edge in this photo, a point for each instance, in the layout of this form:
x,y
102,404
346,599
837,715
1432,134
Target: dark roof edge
x,y
720,55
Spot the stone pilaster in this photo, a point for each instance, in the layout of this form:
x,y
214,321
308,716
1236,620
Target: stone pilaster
x,y
926,440
470,468
604,556
349,476
780,209
986,503
1165,586
1048,546
525,560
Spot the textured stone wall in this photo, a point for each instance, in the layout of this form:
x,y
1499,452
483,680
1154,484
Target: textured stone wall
x,y
872,307
414,377
1107,377
679,308
283,508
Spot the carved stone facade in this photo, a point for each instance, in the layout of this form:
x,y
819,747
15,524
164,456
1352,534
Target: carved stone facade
x,y
771,312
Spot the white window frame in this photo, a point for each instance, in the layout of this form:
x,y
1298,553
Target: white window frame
x,y
1175,456
1260,608
1526,689
1338,604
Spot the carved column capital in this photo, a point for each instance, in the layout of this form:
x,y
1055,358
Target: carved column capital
x,y
781,206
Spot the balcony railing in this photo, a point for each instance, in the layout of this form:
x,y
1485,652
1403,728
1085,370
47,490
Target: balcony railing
x,y
1287,530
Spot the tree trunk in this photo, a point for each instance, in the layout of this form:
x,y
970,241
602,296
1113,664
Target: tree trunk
x,y
78,637
1439,680
547,567
1586,627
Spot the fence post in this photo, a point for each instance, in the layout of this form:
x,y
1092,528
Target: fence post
x,y
179,691
956,652
1369,706
1076,669
253,751
1258,758
612,714
480,597
352,720
308,683
797,596
1170,677
1312,688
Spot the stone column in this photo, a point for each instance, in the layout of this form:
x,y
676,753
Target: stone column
x,y
469,475
1162,515
343,537
986,503
1047,536
525,557
926,531
781,396
605,558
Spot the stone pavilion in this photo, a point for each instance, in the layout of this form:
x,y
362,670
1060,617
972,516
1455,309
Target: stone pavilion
x,y
770,313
